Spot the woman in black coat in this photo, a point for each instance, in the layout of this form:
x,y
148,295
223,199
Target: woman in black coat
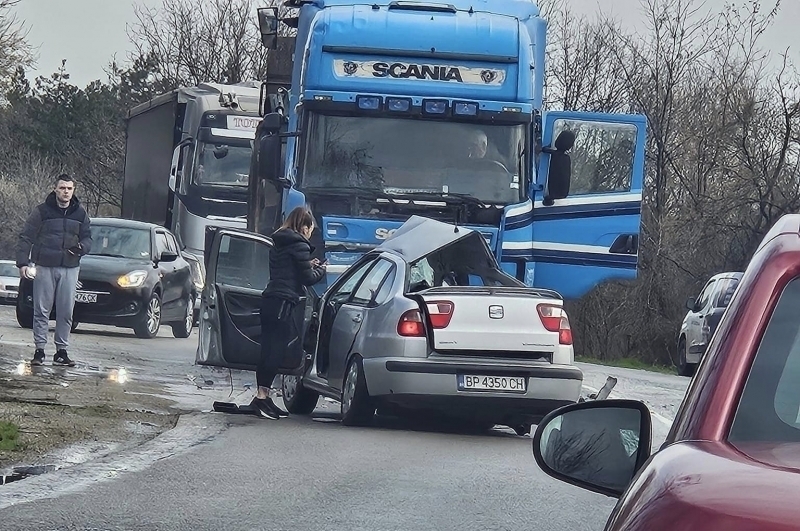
x,y
291,268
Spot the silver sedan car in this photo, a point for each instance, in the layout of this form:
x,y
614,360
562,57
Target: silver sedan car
x,y
428,321
9,282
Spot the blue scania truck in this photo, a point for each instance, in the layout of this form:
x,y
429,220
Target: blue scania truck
x,y
400,108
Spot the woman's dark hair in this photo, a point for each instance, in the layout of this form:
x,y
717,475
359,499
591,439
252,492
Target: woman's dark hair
x,y
298,219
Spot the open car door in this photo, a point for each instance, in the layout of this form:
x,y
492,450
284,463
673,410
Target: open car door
x,y
237,266
591,235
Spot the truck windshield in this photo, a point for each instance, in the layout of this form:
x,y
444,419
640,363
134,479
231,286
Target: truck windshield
x,y
222,165
405,156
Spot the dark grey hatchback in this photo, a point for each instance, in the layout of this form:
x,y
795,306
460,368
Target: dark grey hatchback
x,y
134,277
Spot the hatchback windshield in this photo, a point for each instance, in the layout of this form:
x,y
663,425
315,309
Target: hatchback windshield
x,y
8,270
769,410
122,242
404,156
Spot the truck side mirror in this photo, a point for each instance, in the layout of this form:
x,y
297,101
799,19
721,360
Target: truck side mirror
x,y
268,149
268,25
559,173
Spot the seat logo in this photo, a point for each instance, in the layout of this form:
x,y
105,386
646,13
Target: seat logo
x,y
495,311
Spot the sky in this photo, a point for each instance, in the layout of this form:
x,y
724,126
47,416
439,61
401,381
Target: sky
x,y
90,33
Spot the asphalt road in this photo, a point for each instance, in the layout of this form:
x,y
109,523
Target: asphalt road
x,y
217,471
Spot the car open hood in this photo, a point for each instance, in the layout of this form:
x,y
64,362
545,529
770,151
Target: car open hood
x,y
420,236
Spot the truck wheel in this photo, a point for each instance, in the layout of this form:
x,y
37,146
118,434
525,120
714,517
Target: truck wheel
x,y
150,320
183,328
298,399
357,406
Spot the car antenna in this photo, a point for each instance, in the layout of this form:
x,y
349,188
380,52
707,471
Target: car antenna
x,y
455,228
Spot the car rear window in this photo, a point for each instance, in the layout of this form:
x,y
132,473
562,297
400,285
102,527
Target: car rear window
x,y
769,409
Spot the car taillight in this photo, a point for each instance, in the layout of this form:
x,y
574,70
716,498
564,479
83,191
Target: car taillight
x,y
441,313
555,319
411,325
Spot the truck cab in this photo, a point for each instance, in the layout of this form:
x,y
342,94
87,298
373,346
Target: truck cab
x,y
402,108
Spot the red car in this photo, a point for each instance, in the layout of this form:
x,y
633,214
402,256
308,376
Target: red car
x,y
731,460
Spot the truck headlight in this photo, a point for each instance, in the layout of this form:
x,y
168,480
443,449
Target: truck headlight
x,y
134,279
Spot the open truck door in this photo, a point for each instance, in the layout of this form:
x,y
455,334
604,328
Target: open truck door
x,y
588,202
237,266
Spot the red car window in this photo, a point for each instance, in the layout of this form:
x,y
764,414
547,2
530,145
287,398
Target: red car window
x,y
769,409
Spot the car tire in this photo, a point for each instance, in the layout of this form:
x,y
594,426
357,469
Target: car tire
x,y
150,320
358,409
24,316
74,326
684,368
183,329
297,398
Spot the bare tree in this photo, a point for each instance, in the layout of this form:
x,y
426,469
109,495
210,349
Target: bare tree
x,y
15,51
193,41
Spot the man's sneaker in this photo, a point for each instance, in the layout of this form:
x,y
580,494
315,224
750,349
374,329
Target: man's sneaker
x,y
38,357
61,358
261,409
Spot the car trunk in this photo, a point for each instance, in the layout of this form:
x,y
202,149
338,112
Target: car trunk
x,y
482,319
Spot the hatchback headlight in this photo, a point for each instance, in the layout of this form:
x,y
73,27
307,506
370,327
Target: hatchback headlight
x,y
134,279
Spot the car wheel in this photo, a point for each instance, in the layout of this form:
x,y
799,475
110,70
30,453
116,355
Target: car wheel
x,y
24,316
357,406
297,399
183,329
684,368
150,321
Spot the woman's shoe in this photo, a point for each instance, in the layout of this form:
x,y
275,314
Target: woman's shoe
x,y
262,409
275,409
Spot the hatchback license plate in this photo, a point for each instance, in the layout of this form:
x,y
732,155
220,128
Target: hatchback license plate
x,y
505,384
85,297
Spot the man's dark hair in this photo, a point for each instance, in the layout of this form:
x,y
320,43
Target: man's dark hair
x,y
66,178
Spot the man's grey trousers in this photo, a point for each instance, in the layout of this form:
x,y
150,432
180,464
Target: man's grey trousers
x,y
54,284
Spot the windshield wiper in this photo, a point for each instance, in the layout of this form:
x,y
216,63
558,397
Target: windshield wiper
x,y
346,190
109,254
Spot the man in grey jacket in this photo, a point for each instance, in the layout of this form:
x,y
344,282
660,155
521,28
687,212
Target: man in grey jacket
x,y
55,236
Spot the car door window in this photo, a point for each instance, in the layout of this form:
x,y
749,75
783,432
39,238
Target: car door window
x,y
368,289
769,408
386,288
173,244
161,243
242,262
343,293
705,295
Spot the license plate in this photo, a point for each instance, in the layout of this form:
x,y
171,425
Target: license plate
x,y
85,297
503,384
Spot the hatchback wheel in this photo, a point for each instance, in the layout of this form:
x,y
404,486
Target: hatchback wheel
x,y
150,320
183,329
357,406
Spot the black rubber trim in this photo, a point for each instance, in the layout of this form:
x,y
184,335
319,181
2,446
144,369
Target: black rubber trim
x,y
445,56
558,373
